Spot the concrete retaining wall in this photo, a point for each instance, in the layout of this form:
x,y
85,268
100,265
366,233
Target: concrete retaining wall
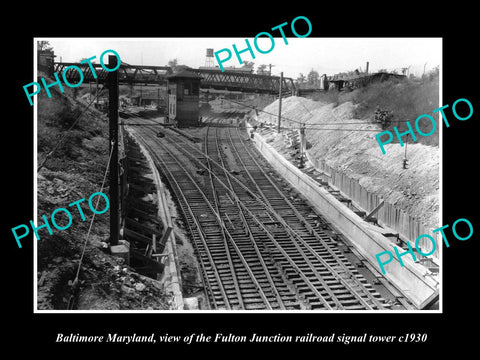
x,y
412,280
389,215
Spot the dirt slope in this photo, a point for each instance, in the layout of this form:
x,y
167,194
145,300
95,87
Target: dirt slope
x,y
75,171
357,153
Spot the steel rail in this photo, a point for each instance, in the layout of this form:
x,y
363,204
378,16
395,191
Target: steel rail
x,y
268,231
254,217
222,224
268,207
195,220
290,230
312,230
247,227
292,234
206,282
224,237
265,229
334,272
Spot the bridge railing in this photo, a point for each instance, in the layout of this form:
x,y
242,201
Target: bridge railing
x,y
231,80
139,74
132,74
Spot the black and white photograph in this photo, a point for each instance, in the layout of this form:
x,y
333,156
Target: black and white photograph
x,y
247,187
288,183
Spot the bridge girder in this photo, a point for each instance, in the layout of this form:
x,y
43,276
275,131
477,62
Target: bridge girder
x,y
211,79
127,74
246,82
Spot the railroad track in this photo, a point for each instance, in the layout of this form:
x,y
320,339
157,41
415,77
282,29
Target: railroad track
x,y
260,245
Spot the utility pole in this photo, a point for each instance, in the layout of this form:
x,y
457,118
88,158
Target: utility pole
x,y
280,102
113,135
270,69
302,145
405,161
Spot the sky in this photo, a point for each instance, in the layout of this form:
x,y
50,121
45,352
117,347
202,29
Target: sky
x,y
325,55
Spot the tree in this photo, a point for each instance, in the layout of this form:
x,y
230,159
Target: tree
x,y
301,78
175,66
434,73
44,45
262,70
248,64
384,117
313,77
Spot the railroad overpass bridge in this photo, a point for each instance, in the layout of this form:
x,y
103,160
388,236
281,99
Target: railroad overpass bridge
x,y
151,75
245,82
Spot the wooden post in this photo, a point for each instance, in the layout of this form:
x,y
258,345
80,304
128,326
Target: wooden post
x,y
165,236
302,145
374,211
280,103
113,134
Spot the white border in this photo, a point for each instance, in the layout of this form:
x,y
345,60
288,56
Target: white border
x,y
35,189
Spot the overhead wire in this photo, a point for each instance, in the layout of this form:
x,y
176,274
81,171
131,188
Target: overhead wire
x,y
307,127
133,115
311,125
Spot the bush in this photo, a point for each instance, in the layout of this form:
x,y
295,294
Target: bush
x,y
329,97
66,118
401,100
56,115
383,117
71,145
